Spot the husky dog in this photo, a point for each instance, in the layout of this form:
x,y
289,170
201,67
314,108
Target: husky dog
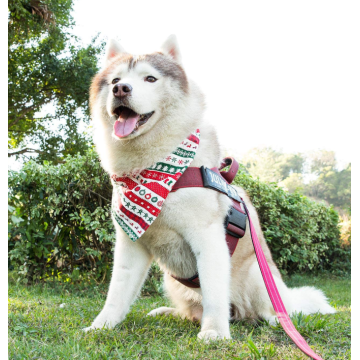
x,y
142,108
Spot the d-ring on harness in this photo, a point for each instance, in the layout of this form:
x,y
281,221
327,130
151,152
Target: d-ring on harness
x,y
235,224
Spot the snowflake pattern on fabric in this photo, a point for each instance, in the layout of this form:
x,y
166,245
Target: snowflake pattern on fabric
x,y
137,199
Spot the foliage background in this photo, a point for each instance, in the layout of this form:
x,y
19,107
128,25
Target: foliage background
x,y
315,174
49,76
59,223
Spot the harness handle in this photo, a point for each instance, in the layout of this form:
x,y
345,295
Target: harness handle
x,y
231,173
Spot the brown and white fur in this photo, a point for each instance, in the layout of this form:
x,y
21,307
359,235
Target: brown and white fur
x,y
188,236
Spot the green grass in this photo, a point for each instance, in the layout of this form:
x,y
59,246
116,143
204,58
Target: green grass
x,y
40,329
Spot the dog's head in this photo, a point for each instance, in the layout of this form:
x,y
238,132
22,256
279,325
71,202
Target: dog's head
x,y
134,92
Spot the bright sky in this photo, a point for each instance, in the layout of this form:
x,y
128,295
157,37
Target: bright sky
x,y
283,74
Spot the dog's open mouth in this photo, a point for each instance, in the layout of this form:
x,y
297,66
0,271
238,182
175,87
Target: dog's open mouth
x,y
128,121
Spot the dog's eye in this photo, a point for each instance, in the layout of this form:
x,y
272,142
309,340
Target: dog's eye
x,y
115,80
150,79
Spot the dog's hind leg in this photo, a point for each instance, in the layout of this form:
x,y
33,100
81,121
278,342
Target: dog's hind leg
x,y
187,302
193,314
163,310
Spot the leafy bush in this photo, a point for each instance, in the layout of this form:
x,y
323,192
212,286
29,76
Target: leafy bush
x,y
59,224
154,284
302,234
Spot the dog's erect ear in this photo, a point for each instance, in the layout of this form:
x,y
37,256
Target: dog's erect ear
x,y
171,47
113,48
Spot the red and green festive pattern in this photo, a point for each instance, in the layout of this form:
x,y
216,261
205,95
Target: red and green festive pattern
x,y
137,199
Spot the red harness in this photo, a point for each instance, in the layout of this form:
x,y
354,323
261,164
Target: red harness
x,y
235,225
235,222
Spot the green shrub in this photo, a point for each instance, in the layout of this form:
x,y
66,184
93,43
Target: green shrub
x,y
59,224
302,234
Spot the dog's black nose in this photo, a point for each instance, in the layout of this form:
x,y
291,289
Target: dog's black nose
x,y
122,90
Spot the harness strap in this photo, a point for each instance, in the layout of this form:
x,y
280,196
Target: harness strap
x,y
190,178
192,282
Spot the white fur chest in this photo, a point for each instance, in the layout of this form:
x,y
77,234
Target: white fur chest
x,y
169,239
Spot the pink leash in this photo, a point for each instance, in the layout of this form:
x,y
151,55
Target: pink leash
x,y
275,298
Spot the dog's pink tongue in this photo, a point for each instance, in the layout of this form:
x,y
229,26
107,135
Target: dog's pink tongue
x,y
126,123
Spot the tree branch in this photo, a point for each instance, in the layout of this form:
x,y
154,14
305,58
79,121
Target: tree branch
x,y
29,150
21,114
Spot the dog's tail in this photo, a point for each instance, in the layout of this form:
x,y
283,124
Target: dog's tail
x,y
307,300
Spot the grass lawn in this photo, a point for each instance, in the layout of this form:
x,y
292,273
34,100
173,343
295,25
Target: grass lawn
x,y
40,329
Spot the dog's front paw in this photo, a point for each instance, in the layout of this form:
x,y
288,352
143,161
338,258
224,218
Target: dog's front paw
x,y
100,326
102,323
97,327
88,329
212,335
